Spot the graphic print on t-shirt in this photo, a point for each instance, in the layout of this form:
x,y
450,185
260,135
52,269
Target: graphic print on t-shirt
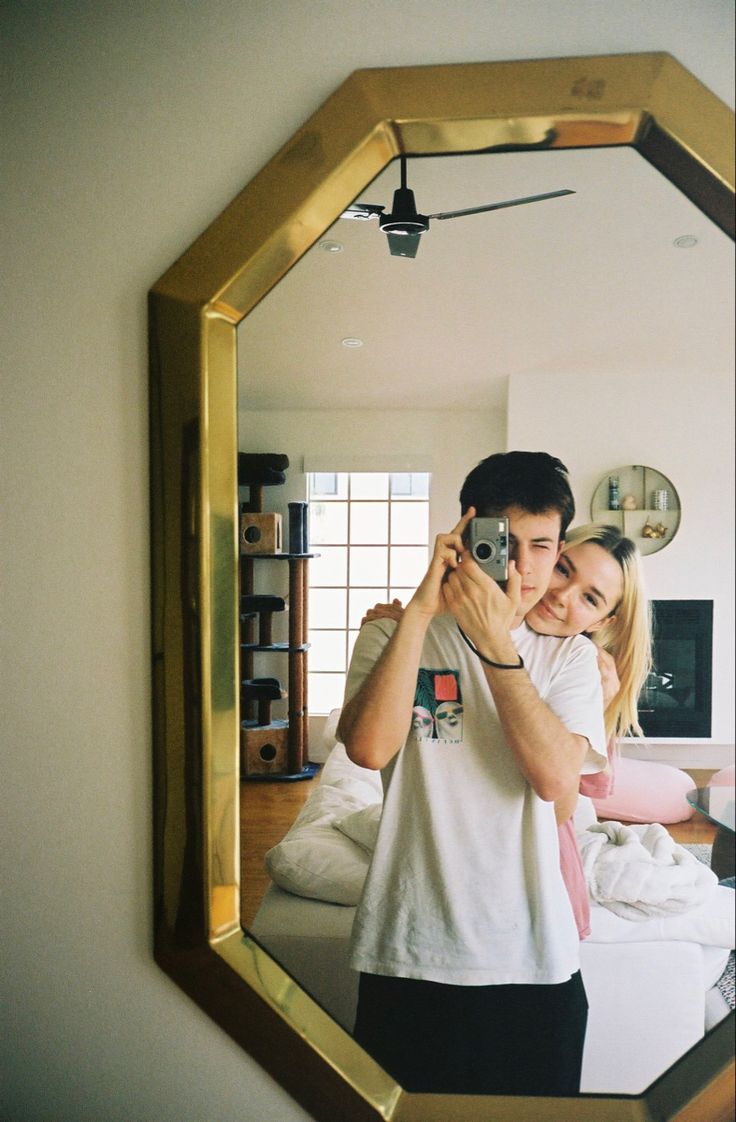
x,y
438,706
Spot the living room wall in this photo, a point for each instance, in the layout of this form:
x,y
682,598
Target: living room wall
x,y
686,431
590,449
126,129
363,441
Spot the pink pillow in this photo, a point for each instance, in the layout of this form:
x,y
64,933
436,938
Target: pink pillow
x,y
724,777
647,792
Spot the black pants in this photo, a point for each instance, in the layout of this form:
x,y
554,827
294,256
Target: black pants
x,y
483,1040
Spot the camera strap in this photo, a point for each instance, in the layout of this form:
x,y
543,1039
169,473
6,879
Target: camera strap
x,y
496,665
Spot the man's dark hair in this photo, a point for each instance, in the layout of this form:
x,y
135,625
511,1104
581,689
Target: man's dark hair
x,y
534,481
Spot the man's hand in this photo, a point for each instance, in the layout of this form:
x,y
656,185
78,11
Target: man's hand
x,y
548,754
429,598
484,610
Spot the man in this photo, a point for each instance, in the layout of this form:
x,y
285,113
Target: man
x,y
464,936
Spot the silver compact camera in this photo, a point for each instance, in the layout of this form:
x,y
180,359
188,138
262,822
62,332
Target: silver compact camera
x,y
487,540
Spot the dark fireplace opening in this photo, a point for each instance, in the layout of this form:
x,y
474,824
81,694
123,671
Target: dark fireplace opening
x,y
676,698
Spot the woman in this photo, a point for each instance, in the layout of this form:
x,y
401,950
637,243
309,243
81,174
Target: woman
x,y
597,589
574,604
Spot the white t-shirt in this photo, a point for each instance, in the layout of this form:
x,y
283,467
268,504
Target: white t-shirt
x,y
465,885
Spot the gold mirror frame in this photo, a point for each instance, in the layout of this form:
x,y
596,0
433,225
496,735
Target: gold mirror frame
x,y
647,101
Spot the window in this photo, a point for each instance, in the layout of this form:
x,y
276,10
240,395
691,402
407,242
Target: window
x,y
371,531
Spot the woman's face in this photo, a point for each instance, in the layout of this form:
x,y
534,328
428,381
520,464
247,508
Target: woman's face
x,y
586,586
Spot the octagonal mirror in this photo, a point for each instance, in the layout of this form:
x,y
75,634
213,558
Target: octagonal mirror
x,y
645,103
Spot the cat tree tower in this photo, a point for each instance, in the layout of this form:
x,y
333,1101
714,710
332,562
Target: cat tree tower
x,y
272,748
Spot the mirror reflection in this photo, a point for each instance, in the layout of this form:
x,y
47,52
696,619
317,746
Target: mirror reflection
x,y
587,325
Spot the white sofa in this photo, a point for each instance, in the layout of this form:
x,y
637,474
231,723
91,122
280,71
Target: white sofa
x,y
650,985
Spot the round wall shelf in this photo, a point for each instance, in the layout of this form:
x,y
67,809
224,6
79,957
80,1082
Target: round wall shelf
x,y
645,505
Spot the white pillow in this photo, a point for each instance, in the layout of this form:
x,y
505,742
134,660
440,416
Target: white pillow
x,y
319,863
339,771
315,861
710,924
361,826
329,731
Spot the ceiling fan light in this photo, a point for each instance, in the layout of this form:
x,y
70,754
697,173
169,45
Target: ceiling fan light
x,y
404,244
404,218
404,227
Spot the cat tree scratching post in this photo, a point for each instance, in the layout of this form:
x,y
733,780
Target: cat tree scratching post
x,y
271,748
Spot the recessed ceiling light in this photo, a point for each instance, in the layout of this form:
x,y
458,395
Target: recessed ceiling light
x,y
351,341
330,246
685,241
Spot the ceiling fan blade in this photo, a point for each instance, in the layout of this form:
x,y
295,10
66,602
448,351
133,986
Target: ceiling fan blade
x,y
499,206
403,245
362,212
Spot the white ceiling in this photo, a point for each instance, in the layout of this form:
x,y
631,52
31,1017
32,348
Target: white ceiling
x,y
590,282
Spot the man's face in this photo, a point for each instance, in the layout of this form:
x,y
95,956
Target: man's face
x,y
534,544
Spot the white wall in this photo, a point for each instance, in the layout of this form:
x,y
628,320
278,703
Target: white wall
x,y
426,436
126,129
683,427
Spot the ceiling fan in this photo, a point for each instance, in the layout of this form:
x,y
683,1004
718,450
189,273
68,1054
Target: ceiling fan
x,y
404,226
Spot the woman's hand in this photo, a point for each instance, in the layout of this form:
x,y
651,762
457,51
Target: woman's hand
x,y
394,610
609,677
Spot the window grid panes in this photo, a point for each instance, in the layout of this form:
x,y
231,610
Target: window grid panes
x,y
371,530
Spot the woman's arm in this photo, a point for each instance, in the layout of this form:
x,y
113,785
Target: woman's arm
x,y
394,611
565,807
600,783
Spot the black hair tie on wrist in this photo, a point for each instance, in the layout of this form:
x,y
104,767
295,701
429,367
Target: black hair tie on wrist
x,y
496,665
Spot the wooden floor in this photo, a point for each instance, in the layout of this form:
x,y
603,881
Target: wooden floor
x,y
267,810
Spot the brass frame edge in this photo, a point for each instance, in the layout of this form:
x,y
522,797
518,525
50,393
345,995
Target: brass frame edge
x,y
194,310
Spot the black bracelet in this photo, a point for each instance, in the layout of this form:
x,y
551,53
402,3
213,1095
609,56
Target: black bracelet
x,y
496,665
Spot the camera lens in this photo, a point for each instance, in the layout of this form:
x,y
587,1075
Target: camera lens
x,y
484,551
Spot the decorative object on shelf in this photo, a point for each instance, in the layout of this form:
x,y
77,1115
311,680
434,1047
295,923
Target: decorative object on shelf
x,y
613,499
649,531
649,511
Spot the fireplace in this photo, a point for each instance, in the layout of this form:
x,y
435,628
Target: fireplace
x,y
676,698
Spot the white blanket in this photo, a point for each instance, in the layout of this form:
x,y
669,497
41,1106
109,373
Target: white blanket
x,y
639,871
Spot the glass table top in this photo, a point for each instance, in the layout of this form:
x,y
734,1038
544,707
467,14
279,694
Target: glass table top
x,y
716,803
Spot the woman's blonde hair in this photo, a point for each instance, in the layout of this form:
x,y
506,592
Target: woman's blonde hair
x,y
627,632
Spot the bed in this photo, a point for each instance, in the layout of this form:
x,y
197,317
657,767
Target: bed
x,y
652,986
